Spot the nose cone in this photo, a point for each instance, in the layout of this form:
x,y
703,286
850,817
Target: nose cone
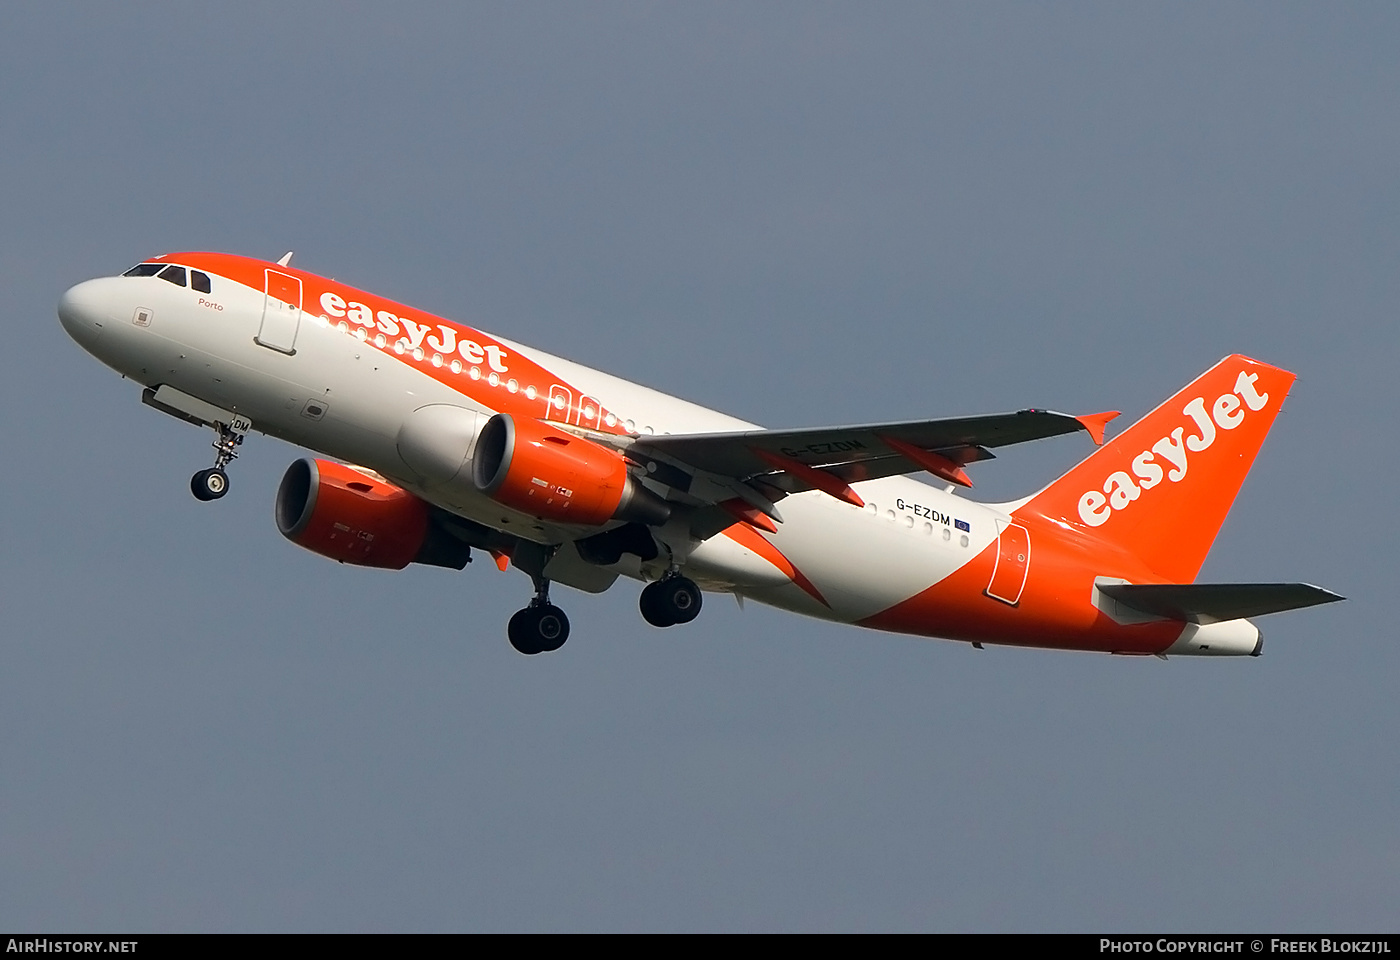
x,y
83,311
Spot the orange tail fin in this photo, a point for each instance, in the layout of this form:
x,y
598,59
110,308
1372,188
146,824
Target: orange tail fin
x,y
1162,488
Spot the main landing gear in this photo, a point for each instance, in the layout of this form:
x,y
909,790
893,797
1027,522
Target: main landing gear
x,y
212,484
671,600
541,627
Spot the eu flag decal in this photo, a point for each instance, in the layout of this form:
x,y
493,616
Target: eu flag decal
x,y
963,525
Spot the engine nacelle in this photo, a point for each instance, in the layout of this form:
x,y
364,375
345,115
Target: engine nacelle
x,y
552,475
350,516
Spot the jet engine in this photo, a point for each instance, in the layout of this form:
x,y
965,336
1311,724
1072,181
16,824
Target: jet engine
x,y
356,517
530,466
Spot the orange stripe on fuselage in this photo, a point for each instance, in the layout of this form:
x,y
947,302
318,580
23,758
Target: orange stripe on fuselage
x,y
1145,507
1055,609
450,340
747,536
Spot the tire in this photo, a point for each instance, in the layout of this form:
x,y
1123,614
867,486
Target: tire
x,y
682,599
521,631
209,484
652,608
671,601
541,629
551,628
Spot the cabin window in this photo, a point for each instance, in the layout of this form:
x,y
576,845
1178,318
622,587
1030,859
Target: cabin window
x,y
175,275
200,281
144,270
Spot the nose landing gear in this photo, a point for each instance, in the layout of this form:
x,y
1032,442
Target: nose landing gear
x,y
541,627
672,600
212,484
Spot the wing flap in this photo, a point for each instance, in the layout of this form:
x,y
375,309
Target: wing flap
x,y
1212,602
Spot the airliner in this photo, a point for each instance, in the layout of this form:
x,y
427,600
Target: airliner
x,y
440,443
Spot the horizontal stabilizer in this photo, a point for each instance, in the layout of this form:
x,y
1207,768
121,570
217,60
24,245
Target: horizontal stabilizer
x,y
1212,602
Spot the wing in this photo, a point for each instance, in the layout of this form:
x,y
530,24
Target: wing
x,y
831,458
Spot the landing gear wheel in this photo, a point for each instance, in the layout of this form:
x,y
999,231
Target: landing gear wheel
x,y
650,611
538,629
670,601
209,484
681,599
552,627
212,484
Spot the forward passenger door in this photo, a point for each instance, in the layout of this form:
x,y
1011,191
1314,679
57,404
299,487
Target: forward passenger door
x,y
281,313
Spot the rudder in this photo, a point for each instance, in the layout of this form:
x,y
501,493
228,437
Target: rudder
x,y
1162,488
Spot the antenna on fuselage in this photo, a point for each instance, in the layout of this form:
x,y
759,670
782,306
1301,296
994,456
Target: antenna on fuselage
x,y
286,259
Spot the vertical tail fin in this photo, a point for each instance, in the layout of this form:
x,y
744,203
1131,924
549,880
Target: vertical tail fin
x,y
1162,488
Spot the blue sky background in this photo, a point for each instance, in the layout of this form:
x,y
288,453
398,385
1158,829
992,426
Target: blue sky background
x,y
799,214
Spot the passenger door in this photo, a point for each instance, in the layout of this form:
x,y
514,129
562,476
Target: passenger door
x,y
1012,564
281,313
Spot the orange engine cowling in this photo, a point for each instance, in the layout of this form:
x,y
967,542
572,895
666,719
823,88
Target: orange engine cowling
x,y
342,513
530,466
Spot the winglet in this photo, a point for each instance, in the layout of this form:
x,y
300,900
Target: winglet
x,y
1095,422
825,482
934,463
502,560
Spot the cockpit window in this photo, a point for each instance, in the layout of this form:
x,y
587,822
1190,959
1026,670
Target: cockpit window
x,y
144,270
200,281
175,275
